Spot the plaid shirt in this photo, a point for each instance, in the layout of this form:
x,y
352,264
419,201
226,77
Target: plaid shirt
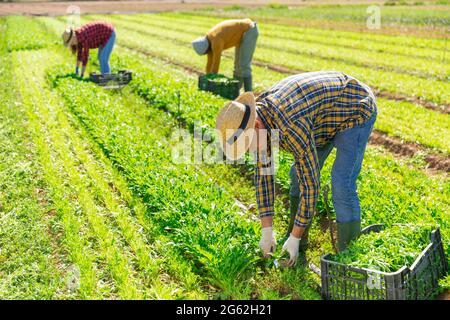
x,y
92,35
308,110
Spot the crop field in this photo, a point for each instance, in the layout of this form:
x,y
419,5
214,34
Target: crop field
x,y
92,205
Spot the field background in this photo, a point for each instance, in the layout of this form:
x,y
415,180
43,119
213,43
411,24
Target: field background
x,y
91,204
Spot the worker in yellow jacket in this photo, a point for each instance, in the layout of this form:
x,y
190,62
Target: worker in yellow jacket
x,y
241,34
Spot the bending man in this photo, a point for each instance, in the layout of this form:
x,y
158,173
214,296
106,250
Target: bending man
x,y
93,35
241,34
312,113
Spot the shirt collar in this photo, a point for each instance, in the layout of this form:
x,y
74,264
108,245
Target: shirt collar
x,y
264,113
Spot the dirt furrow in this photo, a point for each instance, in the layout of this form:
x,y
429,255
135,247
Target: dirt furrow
x,y
434,161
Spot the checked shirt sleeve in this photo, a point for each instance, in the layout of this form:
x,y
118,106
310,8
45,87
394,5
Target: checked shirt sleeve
x,y
84,55
301,142
265,186
79,52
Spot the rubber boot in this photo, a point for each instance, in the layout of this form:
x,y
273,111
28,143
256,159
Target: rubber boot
x,y
247,84
294,203
346,232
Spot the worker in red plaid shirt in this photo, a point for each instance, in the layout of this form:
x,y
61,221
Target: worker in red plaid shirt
x,y
97,34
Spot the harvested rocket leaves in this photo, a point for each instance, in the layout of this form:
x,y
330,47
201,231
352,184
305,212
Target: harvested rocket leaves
x,y
218,78
388,250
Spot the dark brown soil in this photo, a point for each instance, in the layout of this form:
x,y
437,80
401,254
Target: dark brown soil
x,y
395,145
444,295
427,104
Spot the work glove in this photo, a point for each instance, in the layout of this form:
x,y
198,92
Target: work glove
x,y
291,246
268,242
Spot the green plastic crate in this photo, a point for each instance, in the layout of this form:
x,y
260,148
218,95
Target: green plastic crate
x,y
418,282
219,84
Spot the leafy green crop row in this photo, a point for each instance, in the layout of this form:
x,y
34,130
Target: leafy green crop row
x,y
185,213
400,45
27,260
199,217
408,183
399,119
413,41
391,15
98,248
319,46
409,196
428,89
34,36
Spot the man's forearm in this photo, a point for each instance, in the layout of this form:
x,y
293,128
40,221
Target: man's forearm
x,y
77,68
297,231
83,69
266,221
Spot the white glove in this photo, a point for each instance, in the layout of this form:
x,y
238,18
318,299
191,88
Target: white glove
x,y
268,242
291,246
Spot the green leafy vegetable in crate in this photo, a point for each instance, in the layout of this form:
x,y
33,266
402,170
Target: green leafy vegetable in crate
x,y
388,250
219,78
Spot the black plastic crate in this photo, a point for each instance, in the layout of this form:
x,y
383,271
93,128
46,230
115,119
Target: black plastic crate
x,y
219,84
119,79
418,282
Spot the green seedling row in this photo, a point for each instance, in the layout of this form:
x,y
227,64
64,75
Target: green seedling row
x,y
107,169
399,119
356,16
433,90
412,41
318,46
27,257
406,200
199,217
400,45
107,245
34,36
375,155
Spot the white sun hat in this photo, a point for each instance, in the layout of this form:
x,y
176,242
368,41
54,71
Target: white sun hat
x,y
201,45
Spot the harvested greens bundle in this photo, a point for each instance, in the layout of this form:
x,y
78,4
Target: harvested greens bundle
x,y
387,250
218,78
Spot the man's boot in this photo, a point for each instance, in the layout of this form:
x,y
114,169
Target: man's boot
x,y
248,84
294,203
346,232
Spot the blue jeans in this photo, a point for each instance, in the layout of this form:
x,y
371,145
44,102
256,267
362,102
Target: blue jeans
x,y
105,52
350,147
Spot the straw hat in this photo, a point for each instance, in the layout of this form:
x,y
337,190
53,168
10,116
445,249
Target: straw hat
x,y
68,37
236,124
